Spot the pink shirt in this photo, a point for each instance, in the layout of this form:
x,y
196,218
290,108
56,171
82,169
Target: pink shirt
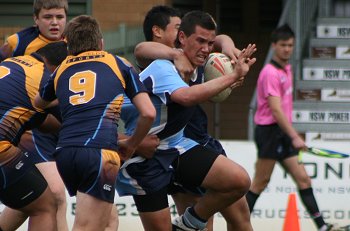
x,y
274,81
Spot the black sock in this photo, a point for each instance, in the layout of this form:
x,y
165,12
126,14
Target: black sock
x,y
251,199
309,201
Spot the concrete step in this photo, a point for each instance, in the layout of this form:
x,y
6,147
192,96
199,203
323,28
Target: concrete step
x,y
326,69
333,28
328,48
321,115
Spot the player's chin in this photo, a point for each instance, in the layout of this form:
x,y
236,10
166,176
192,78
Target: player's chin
x,y
200,61
54,36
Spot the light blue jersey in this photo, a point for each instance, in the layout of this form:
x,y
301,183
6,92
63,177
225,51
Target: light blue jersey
x,y
139,176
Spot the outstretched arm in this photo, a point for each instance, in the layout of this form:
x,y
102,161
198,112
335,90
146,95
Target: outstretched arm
x,y
195,94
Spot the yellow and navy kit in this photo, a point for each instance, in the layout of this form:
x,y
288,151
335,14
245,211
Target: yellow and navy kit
x,y
20,79
27,41
90,88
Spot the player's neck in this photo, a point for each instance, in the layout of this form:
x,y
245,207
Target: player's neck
x,y
281,62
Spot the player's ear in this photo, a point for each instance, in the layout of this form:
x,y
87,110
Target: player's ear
x,y
35,18
181,37
157,31
101,44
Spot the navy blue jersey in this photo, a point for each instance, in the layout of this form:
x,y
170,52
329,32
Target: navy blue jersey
x,y
90,89
27,41
20,80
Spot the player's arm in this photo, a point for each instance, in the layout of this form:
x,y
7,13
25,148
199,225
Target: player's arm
x,y
225,44
50,124
282,121
147,147
146,52
147,114
199,93
43,104
5,51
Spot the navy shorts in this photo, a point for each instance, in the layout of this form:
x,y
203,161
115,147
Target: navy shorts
x,y
21,182
273,143
89,170
41,146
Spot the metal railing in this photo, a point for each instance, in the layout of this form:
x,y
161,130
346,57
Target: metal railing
x,y
300,16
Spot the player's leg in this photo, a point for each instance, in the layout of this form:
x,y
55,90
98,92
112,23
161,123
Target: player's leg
x,y
220,192
262,175
154,210
184,200
53,178
41,147
237,216
91,214
11,219
303,181
113,221
42,213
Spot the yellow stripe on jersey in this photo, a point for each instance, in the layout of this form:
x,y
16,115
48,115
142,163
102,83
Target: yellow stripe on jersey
x,y
33,46
110,164
97,56
33,75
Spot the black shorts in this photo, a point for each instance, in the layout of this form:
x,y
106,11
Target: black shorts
x,y
152,202
26,190
273,143
193,166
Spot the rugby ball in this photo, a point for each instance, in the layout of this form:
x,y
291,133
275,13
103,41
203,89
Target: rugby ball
x,y
216,66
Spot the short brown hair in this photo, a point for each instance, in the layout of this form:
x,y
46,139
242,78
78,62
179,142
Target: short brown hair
x,y
49,4
82,34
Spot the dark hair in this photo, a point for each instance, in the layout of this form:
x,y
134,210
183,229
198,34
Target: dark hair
x,y
54,52
283,32
158,16
49,4
83,33
193,19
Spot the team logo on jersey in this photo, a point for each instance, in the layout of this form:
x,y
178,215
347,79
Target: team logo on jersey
x,y
107,187
19,165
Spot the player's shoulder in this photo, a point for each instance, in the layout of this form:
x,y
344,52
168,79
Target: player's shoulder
x,y
31,32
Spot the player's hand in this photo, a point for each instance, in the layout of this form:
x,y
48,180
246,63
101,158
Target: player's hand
x,y
299,143
125,149
244,61
183,66
148,146
238,83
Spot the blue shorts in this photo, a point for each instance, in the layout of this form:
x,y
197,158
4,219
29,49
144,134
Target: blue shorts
x,y
41,146
89,170
140,176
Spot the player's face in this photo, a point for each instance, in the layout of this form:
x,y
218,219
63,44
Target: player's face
x,y
283,49
198,45
51,23
170,32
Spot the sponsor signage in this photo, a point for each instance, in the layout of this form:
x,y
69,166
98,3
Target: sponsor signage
x,y
325,95
308,116
338,52
330,180
326,136
326,73
333,31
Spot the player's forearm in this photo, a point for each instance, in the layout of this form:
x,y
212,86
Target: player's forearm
x,y
143,126
146,52
284,124
202,92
